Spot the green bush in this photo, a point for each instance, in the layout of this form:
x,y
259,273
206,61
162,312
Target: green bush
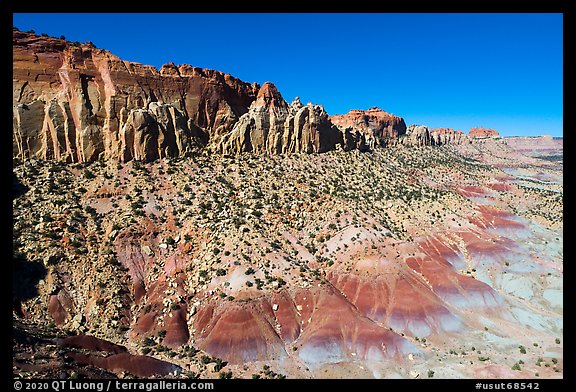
x,y
522,349
88,174
225,375
148,342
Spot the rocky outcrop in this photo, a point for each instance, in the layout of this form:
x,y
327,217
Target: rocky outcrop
x,y
439,136
421,135
138,365
378,128
159,131
482,132
274,127
417,135
372,128
113,357
77,103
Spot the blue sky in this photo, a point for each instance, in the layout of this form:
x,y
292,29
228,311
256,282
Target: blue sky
x,y
502,71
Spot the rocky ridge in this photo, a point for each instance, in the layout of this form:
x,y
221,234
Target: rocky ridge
x,y
76,103
274,127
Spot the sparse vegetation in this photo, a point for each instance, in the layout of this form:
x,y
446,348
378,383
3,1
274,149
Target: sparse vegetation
x,y
522,349
287,222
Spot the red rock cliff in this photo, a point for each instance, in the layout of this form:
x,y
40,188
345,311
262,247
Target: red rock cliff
x,y
78,103
482,132
379,127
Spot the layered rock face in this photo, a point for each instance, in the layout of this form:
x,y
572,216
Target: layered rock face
x,y
272,126
373,128
77,103
421,135
441,136
378,128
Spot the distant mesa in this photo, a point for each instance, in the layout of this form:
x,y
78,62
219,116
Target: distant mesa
x,y
536,145
482,132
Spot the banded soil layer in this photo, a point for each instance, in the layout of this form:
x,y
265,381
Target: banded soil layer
x,y
270,242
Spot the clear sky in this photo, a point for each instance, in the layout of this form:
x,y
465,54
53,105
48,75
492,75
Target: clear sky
x,y
502,71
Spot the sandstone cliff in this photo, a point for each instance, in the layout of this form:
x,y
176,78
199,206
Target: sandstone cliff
x,y
372,128
378,128
441,136
78,103
272,126
421,135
